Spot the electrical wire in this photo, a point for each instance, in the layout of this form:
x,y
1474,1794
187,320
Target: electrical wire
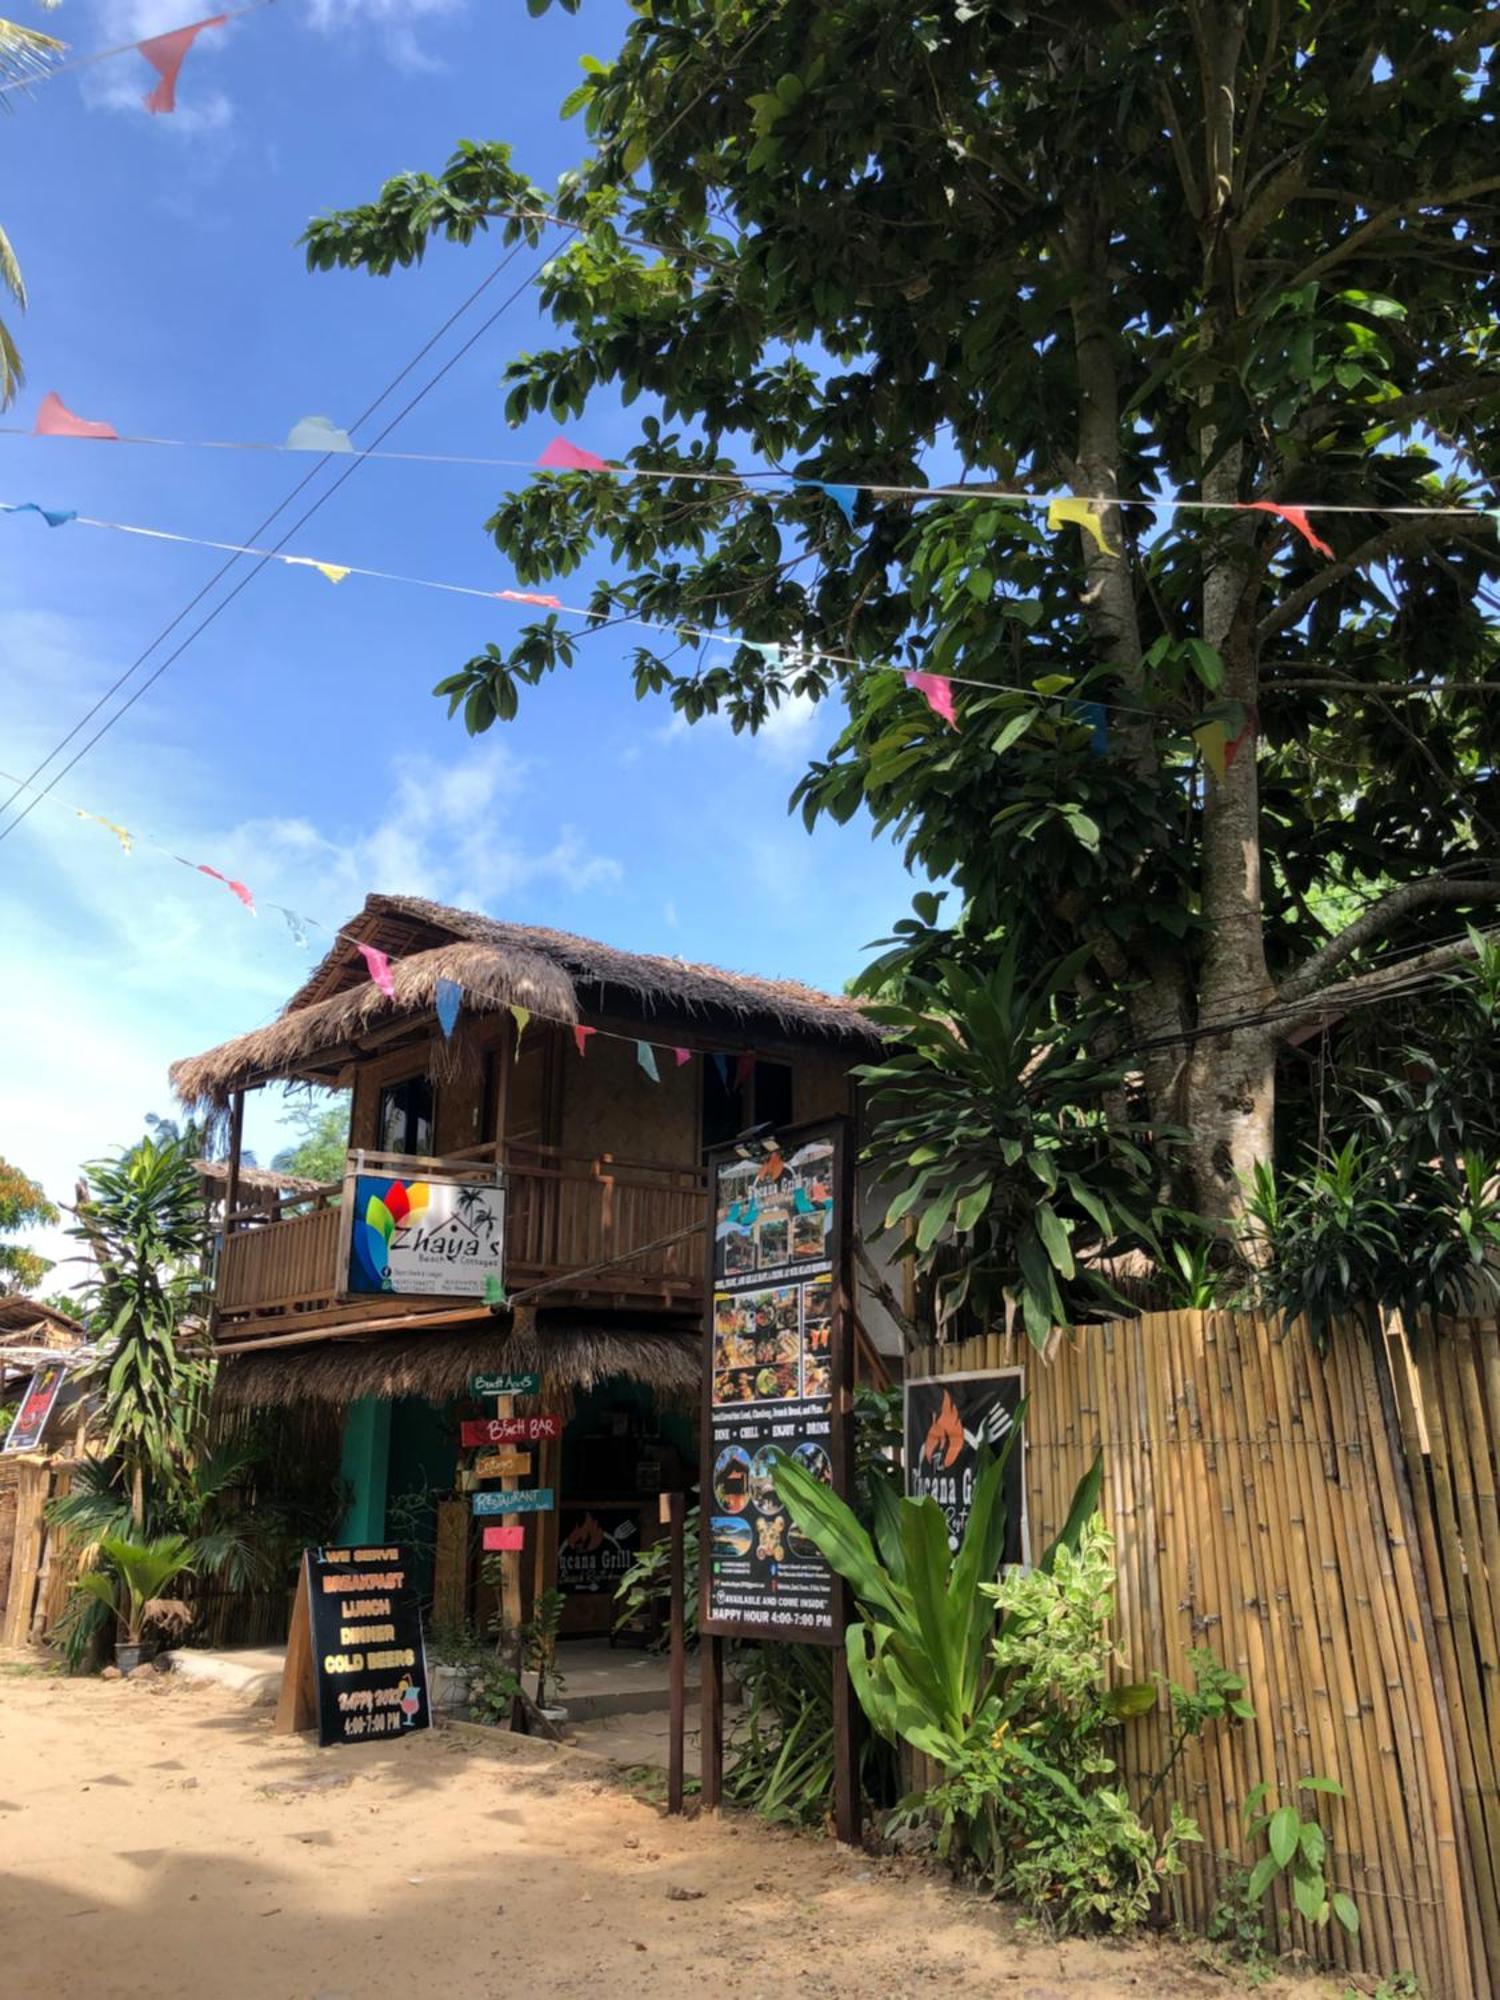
x,y
262,560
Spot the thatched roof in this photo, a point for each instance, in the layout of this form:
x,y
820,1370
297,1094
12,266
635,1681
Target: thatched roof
x,y
558,976
437,1366
28,1322
491,980
270,1180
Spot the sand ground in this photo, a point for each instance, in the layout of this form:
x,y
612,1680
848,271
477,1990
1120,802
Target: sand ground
x,y
157,1840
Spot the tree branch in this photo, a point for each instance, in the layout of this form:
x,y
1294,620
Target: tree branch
x,y
1405,534
1310,978
1378,224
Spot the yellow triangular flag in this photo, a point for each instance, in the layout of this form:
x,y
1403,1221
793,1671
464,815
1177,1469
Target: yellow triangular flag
x,y
1082,514
335,572
1212,738
520,1015
125,839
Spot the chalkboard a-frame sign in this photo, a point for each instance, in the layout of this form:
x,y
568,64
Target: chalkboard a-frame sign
x,y
356,1666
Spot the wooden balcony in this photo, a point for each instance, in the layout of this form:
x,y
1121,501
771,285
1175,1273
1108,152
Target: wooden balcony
x,y
589,1229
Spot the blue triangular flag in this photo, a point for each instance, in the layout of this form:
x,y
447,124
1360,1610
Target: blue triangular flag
x,y
318,434
841,496
646,1057
721,1064
1093,714
449,999
55,517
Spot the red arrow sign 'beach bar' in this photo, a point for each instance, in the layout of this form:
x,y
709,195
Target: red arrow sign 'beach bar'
x,y
509,1430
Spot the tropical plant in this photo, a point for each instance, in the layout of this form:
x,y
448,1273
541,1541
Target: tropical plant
x,y
141,1216
1300,1849
131,1578
23,1204
922,1658
1234,251
1216,1695
25,55
1404,1215
990,1111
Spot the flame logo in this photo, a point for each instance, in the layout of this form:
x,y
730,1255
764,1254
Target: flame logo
x,y
944,1443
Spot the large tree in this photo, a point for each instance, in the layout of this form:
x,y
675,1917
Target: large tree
x,y
1234,251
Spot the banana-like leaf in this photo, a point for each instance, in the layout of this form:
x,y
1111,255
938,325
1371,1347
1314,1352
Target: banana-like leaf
x,y
1083,1509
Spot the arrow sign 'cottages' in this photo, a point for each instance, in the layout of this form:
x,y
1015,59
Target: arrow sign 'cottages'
x,y
503,1465
509,1430
537,1501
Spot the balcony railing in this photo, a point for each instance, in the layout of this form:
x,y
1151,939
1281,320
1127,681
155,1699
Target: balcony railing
x,y
584,1226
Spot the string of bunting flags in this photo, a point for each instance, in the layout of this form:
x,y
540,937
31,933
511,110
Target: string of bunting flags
x,y
166,54
321,434
381,965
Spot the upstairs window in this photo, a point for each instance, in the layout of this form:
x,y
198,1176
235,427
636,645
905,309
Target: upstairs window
x,y
406,1116
726,1112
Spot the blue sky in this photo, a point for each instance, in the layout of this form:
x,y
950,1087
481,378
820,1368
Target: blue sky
x,y
296,744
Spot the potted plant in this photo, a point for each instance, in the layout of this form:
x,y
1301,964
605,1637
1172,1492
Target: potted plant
x,y
129,1583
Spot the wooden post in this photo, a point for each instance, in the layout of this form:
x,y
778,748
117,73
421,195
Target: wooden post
x,y
711,1702
846,1801
232,1178
673,1509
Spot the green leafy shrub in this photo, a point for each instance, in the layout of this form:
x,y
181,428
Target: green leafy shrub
x,y
1300,1849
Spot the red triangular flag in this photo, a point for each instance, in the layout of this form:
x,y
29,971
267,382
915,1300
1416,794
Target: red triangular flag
x,y
1233,746
380,969
581,1037
1296,517
236,888
165,54
531,597
937,691
560,456
55,419
682,1055
744,1070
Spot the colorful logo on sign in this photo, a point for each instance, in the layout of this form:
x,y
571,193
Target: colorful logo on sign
x,y
370,1248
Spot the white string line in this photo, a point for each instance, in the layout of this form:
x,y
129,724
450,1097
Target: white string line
x,y
126,48
692,475
1270,1015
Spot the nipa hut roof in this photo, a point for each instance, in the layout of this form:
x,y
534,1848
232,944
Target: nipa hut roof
x,y
27,1322
558,976
437,1366
270,1179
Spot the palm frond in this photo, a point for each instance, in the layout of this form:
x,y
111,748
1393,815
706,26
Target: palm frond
x,y
10,272
26,53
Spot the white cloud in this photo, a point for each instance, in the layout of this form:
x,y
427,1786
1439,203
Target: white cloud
x,y
115,967
399,23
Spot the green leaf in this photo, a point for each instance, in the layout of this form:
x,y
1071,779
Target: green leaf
x,y
1084,829
1344,1909
1261,1877
1013,731
1309,1894
1281,1834
1054,1234
1329,1785
1132,1699
1312,1843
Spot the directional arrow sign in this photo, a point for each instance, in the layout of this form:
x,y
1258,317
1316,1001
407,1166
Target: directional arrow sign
x,y
503,1465
509,1430
504,1541
505,1385
537,1501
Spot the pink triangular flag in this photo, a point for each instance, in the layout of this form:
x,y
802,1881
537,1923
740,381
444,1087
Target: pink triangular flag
x,y
937,691
235,888
744,1071
165,54
530,597
682,1055
55,419
581,1037
380,969
1296,517
560,456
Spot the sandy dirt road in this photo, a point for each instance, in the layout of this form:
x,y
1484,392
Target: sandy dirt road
x,y
157,1840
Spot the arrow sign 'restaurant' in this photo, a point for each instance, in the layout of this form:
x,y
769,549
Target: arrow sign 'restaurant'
x,y
509,1430
504,1385
537,1501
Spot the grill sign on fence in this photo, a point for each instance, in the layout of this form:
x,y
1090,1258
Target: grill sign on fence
x,y
42,1390
777,1368
948,1419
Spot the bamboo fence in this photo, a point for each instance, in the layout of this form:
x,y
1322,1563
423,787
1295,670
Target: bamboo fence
x,y
1268,1504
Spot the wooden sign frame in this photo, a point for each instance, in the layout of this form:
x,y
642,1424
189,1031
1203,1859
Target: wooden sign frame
x,y
714,1626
